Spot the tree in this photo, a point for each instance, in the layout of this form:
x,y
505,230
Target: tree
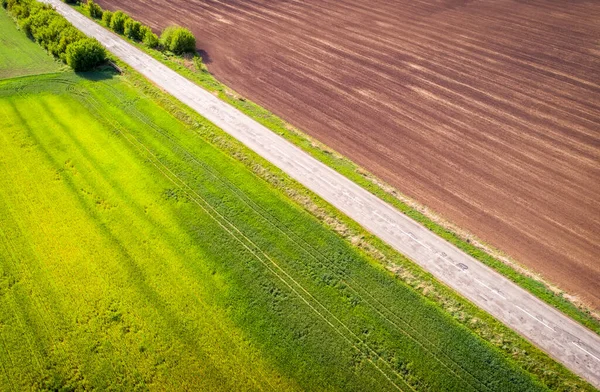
x,y
85,54
132,29
107,18
148,37
178,40
67,36
117,22
94,9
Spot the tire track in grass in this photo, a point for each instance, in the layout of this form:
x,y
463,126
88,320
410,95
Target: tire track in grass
x,y
265,216
204,305
207,209
249,245
254,207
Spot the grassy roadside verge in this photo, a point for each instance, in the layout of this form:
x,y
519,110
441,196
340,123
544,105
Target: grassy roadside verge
x,y
343,165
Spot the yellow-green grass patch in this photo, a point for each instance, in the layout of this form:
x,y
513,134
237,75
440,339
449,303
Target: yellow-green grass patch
x,y
19,55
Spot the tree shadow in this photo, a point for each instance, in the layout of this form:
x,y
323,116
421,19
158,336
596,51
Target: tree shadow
x,y
99,74
205,56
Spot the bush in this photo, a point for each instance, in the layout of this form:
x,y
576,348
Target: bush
x,y
66,37
178,40
107,18
132,29
148,37
85,54
117,22
94,9
18,9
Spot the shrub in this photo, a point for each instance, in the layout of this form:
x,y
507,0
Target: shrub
x,y
132,29
117,22
178,40
148,37
94,9
65,38
107,18
50,33
18,10
85,54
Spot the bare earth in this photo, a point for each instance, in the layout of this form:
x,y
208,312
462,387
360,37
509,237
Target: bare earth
x,y
575,346
486,112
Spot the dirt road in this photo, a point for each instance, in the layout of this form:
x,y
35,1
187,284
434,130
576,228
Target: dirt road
x,y
567,341
488,112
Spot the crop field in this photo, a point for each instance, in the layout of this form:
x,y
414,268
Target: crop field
x,y
486,112
19,55
134,255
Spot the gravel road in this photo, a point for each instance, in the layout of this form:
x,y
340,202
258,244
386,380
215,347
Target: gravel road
x,y
567,341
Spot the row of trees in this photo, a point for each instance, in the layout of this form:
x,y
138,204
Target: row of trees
x,y
55,34
175,39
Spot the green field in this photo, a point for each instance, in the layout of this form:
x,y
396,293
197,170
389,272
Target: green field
x,y
134,252
136,255
19,55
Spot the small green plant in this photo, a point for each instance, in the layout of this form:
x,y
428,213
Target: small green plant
x,y
198,63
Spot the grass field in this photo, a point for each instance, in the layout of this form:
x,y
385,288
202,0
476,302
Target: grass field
x,y
135,255
19,55
132,251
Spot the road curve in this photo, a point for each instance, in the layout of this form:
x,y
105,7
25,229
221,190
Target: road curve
x,y
565,340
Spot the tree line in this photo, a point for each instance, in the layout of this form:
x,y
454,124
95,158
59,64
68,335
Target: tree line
x,y
175,39
55,34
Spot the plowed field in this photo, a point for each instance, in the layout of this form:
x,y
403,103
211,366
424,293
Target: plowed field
x,y
487,112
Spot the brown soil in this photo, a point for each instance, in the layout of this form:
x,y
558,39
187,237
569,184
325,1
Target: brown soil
x,y
487,112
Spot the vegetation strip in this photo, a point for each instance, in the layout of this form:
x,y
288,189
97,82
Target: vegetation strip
x,y
194,70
